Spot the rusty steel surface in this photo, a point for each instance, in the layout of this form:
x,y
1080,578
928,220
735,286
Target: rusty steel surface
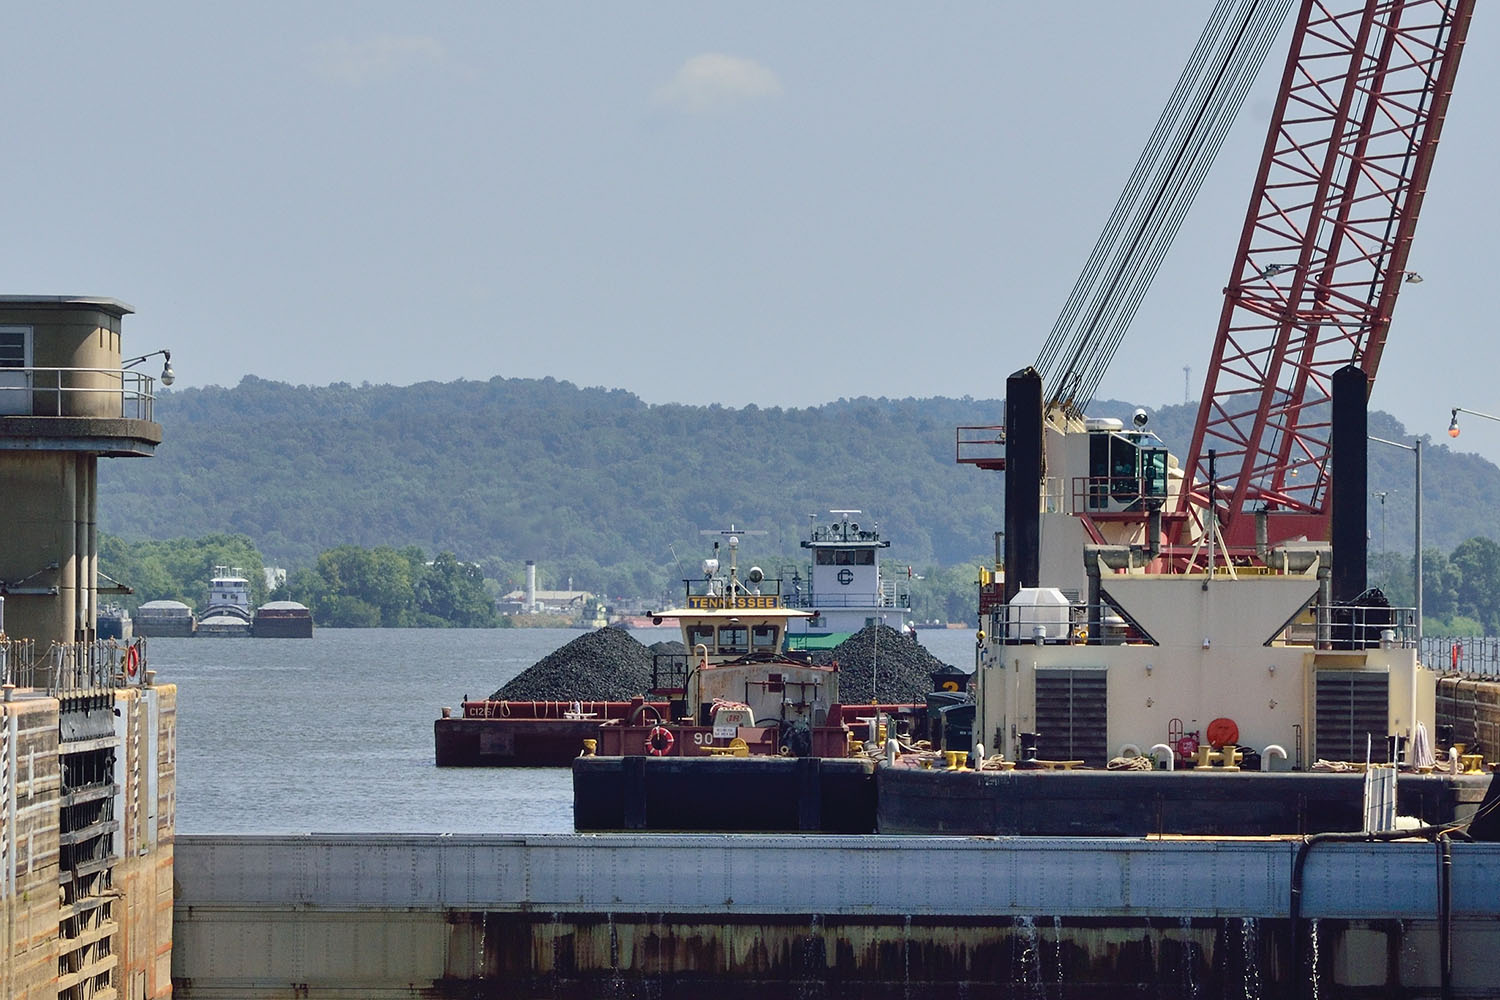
x,y
847,876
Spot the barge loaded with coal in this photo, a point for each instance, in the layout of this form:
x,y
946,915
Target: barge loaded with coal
x,y
730,686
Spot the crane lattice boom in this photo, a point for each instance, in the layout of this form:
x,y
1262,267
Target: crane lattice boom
x,y
1323,252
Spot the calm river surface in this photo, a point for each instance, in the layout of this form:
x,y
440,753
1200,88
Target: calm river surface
x,y
334,734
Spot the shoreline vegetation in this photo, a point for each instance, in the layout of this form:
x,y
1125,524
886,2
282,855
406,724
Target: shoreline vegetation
x,y
358,490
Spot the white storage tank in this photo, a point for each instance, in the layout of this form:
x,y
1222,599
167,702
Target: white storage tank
x,y
1045,608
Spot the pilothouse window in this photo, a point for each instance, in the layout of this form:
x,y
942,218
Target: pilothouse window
x,y
733,639
763,637
700,634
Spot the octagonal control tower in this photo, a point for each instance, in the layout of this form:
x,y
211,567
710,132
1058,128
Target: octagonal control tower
x,y
66,399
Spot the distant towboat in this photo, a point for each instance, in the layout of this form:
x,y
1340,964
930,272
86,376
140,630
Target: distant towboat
x,y
228,611
114,623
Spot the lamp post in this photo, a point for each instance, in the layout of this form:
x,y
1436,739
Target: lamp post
x,y
1416,450
1381,495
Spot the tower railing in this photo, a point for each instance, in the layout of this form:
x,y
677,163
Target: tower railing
x,y
77,392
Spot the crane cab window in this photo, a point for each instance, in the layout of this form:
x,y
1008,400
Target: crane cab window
x,y
1123,473
763,638
734,639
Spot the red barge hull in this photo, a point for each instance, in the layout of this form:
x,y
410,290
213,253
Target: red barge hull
x,y
528,733
552,733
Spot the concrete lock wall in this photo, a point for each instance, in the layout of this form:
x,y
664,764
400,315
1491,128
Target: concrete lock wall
x,y
129,941
1472,708
29,787
745,915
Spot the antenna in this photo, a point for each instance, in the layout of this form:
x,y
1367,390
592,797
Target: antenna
x,y
733,534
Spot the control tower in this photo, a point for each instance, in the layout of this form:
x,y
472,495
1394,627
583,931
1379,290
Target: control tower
x,y
67,398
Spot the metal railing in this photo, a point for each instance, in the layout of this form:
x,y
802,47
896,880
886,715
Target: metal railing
x,y
62,668
893,600
1326,627
1098,494
1470,656
77,392
980,444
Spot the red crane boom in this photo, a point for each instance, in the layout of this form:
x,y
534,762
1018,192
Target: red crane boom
x,y
1322,255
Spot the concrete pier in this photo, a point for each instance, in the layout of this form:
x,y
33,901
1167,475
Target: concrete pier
x,y
820,916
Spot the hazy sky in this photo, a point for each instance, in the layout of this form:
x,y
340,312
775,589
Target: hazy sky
x,y
773,203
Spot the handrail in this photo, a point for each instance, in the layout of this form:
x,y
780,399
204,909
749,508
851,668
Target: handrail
x,y
136,392
1331,627
62,668
1467,656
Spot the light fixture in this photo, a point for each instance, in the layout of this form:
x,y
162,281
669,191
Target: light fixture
x,y
1271,270
1411,277
1453,424
168,376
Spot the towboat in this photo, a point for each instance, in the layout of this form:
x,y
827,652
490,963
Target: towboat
x,y
736,691
228,613
845,588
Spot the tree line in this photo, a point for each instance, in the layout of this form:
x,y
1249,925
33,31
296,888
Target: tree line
x,y
351,586
346,587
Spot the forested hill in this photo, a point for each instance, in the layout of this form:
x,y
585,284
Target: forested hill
x,y
584,479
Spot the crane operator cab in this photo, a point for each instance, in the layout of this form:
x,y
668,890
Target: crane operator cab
x,y
1127,469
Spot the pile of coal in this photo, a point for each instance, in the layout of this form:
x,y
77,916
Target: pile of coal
x,y
900,666
607,665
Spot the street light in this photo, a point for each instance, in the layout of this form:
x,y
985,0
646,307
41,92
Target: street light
x,y
1453,424
168,376
1381,495
1416,450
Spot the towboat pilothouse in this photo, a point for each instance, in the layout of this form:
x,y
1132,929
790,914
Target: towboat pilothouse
x,y
845,589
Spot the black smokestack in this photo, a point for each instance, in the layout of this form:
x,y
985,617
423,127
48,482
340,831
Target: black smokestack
x,y
1023,480
1350,482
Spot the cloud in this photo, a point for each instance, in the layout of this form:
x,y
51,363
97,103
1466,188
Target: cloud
x,y
715,82
359,63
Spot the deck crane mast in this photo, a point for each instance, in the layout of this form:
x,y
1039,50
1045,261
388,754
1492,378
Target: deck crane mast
x,y
1322,257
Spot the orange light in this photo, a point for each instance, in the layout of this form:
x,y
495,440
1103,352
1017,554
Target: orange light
x,y
1453,431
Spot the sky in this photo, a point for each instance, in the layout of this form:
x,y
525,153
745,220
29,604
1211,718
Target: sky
x,y
772,203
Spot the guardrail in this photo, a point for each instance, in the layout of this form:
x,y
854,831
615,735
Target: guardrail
x,y
1328,626
62,668
892,601
77,392
1470,656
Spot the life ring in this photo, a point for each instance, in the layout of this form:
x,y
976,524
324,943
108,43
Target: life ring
x,y
1222,732
659,741
132,661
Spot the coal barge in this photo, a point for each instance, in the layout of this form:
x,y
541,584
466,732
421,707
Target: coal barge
x,y
730,687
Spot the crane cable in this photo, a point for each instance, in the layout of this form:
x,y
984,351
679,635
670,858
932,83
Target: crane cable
x,y
1171,168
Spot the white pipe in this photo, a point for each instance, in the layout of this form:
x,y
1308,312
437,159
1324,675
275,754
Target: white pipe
x,y
1130,750
1271,751
1171,754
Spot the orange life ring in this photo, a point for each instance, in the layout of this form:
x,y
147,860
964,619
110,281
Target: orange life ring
x,y
1222,732
659,741
132,661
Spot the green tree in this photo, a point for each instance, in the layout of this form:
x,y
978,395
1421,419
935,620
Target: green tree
x,y
454,592
1477,562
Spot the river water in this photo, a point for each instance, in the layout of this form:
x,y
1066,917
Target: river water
x,y
334,734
